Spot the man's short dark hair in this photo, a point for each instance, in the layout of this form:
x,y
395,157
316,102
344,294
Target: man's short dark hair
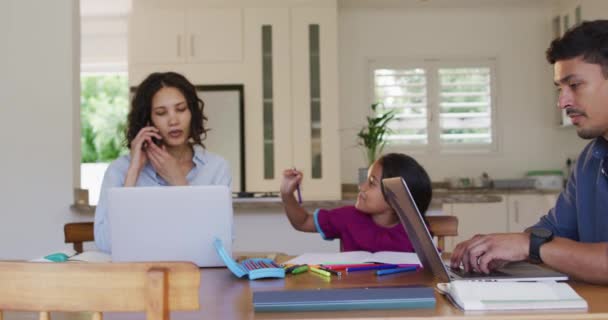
x,y
588,40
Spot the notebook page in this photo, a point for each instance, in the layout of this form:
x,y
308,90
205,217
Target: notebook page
x,y
394,257
331,258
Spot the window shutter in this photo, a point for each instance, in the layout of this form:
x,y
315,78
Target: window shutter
x,y
405,91
465,106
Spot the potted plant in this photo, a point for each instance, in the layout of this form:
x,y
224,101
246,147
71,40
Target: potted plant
x,y
372,137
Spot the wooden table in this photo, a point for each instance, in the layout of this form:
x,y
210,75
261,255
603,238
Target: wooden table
x,y
224,297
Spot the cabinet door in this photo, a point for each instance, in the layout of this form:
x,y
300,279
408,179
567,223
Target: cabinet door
x,y
156,36
476,218
525,209
315,100
214,35
267,98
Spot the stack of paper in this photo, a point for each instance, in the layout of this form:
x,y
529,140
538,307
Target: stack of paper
x,y
480,295
352,257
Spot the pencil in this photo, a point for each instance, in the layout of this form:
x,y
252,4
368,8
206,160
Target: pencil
x,y
299,192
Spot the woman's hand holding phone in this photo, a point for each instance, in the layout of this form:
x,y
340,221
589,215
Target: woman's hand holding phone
x,y
140,144
138,154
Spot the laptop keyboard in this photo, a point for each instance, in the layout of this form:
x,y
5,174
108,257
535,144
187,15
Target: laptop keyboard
x,y
461,273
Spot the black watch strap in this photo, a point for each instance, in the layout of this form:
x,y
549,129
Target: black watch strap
x,y
538,237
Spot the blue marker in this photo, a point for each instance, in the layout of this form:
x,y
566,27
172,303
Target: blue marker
x,y
395,270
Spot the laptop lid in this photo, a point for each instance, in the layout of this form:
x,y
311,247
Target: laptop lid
x,y
170,223
400,199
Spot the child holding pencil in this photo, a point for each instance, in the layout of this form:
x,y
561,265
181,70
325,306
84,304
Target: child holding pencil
x,y
371,224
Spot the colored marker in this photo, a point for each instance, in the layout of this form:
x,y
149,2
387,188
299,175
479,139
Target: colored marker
x,y
292,267
334,272
378,267
300,269
321,272
395,270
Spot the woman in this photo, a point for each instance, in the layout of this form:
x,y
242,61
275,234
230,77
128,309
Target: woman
x,y
164,131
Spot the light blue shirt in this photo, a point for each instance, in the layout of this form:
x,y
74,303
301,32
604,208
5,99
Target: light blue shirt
x,y
208,169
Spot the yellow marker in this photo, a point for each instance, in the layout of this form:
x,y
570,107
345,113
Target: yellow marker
x,y
319,271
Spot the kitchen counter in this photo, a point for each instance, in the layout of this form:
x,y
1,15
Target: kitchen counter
x,y
440,196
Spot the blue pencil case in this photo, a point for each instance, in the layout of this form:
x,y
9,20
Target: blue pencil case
x,y
254,268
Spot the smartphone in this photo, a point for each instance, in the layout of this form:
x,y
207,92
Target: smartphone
x,y
157,141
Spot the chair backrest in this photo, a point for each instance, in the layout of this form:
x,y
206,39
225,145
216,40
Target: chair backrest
x,y
77,233
153,287
442,226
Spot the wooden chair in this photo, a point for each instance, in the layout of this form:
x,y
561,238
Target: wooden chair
x,y
441,227
152,287
77,233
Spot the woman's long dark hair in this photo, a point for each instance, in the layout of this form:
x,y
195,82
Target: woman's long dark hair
x,y
141,106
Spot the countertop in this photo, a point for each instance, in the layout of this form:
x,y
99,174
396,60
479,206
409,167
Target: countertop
x,y
440,197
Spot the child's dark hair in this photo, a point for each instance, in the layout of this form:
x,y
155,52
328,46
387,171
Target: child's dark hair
x,y
140,114
418,181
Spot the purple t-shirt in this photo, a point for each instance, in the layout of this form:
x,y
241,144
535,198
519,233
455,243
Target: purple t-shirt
x,y
359,232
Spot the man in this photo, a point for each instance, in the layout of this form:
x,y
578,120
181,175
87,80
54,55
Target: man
x,y
573,236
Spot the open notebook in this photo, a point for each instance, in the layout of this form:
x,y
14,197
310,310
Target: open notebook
x,y
352,257
484,295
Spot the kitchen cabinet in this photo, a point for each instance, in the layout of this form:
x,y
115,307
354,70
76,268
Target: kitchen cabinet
x,y
178,35
476,218
291,96
524,210
515,213
284,52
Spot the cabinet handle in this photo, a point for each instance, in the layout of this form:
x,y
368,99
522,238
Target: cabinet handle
x,y
179,46
516,211
192,45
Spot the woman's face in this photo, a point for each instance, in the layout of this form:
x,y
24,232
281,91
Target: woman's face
x,y
170,114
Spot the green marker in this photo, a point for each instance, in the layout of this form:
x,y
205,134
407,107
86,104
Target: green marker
x,y
299,269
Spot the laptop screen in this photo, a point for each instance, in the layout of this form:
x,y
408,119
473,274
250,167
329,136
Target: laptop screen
x,y
400,199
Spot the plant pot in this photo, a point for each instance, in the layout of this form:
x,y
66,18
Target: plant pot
x,y
362,175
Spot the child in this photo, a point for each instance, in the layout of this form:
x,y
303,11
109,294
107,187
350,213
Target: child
x,y
371,225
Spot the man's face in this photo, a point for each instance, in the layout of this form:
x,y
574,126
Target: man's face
x,y
583,93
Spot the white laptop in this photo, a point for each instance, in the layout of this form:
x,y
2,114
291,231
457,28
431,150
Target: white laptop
x,y
170,223
400,199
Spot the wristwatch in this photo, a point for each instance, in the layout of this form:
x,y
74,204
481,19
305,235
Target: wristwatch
x,y
538,237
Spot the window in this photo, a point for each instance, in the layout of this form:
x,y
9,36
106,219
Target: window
x,y
103,114
438,105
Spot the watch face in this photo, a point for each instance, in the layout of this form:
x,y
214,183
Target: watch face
x,y
542,232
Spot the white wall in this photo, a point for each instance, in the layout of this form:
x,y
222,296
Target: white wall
x,y
39,92
528,135
590,9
